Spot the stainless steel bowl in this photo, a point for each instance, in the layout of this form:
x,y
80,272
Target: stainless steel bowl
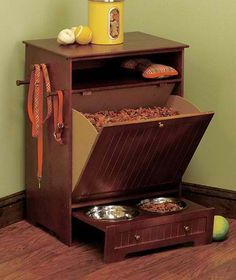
x,y
112,213
160,201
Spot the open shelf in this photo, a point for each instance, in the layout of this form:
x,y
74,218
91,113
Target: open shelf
x,y
106,79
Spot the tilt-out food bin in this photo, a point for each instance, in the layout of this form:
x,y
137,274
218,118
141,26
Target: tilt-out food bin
x,y
135,156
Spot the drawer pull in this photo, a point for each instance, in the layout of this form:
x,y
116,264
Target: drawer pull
x,y
137,237
161,124
187,228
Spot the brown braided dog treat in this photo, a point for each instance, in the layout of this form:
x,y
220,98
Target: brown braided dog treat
x,y
101,118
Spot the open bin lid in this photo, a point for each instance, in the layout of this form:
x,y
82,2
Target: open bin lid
x,y
139,157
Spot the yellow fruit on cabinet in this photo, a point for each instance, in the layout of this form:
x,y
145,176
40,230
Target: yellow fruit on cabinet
x,y
220,228
83,35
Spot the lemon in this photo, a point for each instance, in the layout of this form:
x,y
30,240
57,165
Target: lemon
x,y
83,35
220,228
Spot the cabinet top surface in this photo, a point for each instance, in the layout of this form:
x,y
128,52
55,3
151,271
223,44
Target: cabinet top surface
x,y
135,42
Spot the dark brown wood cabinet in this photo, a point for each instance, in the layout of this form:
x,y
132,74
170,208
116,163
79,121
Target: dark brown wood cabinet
x,y
125,162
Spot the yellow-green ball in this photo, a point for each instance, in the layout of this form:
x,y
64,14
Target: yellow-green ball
x,y
220,228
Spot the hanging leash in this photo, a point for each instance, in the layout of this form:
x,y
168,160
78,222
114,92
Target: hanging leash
x,y
39,78
58,116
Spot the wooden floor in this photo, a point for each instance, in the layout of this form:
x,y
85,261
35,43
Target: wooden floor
x,y
28,252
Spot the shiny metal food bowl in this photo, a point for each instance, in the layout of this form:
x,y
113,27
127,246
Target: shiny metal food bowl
x,y
157,205
112,213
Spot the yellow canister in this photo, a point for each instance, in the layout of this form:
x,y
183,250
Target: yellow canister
x,y
106,21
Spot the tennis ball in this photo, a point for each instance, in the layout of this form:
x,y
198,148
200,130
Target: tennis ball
x,y
220,228
83,35
66,37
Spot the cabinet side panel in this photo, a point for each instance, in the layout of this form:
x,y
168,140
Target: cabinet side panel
x,y
179,62
50,205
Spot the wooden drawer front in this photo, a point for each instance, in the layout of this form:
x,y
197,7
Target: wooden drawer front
x,y
161,232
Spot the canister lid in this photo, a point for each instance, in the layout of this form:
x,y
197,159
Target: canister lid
x,y
107,1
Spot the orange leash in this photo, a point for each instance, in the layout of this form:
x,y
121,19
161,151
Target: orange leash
x,y
58,116
39,77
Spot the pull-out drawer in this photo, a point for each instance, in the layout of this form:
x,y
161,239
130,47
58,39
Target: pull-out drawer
x,y
146,235
149,231
136,156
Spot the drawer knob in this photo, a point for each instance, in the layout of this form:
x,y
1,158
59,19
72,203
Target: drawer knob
x,y
187,228
137,237
161,124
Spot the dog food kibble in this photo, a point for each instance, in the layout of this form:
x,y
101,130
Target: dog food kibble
x,y
101,118
164,207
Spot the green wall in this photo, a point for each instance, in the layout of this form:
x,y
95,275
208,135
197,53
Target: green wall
x,y
210,77
23,20
208,26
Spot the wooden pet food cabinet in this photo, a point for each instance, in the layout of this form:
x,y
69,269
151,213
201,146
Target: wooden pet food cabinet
x,y
124,162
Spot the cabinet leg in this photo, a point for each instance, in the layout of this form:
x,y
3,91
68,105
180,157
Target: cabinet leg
x,y
66,238
110,253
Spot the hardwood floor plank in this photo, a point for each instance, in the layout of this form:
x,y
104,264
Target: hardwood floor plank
x,y
28,252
